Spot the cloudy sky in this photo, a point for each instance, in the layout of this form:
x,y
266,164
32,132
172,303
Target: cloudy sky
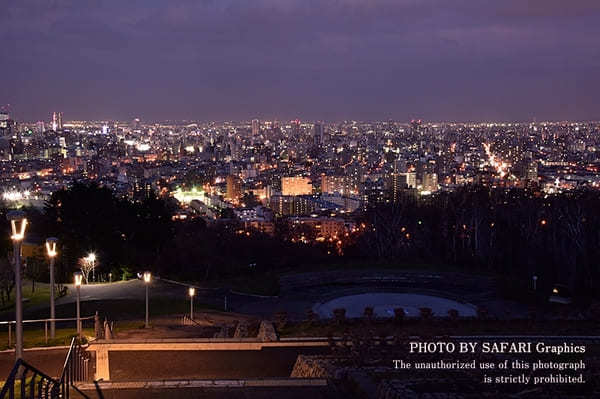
x,y
307,59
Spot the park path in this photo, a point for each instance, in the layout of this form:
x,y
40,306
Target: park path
x,y
50,361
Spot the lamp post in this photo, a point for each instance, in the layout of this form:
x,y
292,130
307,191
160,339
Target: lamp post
x,y
191,292
51,249
78,279
147,278
18,224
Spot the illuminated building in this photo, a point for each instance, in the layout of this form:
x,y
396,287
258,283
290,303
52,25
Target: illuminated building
x,y
234,187
430,182
337,185
57,121
296,185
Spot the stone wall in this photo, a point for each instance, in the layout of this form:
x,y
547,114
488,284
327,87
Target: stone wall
x,y
314,367
266,332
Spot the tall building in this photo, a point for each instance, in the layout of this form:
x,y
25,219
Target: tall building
x,y
336,185
136,124
296,127
430,182
318,134
234,187
57,121
7,125
297,185
411,179
397,183
255,127
40,127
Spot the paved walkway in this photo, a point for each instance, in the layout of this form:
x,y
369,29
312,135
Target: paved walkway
x,y
50,361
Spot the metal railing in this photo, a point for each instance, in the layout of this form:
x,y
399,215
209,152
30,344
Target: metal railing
x,y
29,382
36,385
45,321
75,369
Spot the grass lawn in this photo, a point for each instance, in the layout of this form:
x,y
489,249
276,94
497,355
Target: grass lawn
x,y
31,298
118,309
36,337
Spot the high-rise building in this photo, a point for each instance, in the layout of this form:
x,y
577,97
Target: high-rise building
x,y
255,127
234,187
397,183
136,124
430,182
40,127
296,185
337,185
318,134
57,121
411,179
7,125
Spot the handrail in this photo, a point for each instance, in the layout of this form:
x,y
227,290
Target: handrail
x,y
75,369
42,320
11,322
47,387
187,321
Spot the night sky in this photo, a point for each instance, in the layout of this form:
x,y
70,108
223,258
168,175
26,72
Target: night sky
x,y
309,59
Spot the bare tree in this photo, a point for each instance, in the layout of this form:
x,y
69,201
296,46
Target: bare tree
x,y
87,265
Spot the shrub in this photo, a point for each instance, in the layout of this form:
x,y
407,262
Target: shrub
x,y
339,315
399,314
426,313
453,314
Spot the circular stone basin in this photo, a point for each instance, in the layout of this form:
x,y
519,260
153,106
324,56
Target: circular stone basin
x,y
383,305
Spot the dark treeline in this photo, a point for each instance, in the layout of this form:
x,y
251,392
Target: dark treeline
x,y
515,234
133,236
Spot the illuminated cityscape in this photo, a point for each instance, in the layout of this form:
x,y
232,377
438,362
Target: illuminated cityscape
x,y
382,199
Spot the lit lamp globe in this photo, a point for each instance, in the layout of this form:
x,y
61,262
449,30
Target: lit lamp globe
x,y
78,278
18,224
51,246
191,291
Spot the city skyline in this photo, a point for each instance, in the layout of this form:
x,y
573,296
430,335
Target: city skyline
x,y
469,61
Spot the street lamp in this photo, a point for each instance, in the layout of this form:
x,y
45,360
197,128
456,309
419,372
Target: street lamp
x,y
147,278
191,293
78,280
51,249
18,224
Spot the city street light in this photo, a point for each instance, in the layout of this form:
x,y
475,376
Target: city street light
x,y
191,293
147,278
18,224
78,279
51,249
